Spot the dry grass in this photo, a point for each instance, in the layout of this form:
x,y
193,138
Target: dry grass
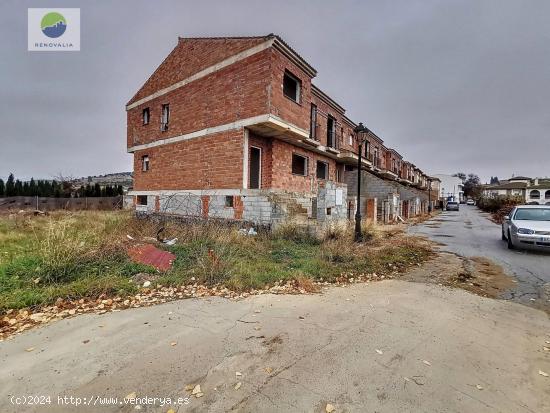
x,y
81,254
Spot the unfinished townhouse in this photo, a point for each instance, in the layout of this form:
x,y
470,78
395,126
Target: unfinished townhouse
x,y
233,128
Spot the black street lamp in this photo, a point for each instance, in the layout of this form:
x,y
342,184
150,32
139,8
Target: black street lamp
x,y
359,129
429,195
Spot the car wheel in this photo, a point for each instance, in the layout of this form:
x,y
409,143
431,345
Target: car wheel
x,y
510,243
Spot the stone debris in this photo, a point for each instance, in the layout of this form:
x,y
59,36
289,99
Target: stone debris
x,y
329,408
16,321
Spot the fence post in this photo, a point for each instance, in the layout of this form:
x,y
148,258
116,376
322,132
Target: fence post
x,y
37,202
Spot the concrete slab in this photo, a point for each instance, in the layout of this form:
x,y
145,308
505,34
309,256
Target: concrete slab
x,y
436,348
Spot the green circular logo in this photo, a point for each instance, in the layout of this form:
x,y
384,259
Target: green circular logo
x,y
53,24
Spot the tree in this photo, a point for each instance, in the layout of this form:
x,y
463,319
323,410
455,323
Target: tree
x,y
10,186
19,188
494,180
2,188
97,190
461,175
33,190
472,186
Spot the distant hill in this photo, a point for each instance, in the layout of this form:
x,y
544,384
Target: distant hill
x,y
119,178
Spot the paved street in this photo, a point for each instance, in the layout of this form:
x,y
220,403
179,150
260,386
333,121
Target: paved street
x,y
470,233
389,346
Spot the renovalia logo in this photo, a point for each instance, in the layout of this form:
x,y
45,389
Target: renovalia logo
x,y
54,30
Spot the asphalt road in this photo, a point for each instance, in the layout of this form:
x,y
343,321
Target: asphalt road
x,y
389,346
470,233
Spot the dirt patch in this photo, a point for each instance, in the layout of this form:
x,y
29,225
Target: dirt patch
x,y
484,277
478,275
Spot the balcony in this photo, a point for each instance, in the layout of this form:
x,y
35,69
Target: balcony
x,y
313,136
332,141
272,126
350,158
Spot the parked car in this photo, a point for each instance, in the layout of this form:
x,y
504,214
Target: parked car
x,y
527,226
470,202
453,206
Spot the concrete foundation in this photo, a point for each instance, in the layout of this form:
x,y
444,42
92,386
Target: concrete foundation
x,y
319,210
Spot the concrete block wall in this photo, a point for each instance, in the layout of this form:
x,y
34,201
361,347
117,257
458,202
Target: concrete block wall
x,y
390,195
262,207
332,203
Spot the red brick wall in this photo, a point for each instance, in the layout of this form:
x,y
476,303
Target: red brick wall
x,y
190,56
239,91
213,161
281,106
283,178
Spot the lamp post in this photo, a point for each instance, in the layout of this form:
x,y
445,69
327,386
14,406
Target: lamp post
x,y
429,195
359,129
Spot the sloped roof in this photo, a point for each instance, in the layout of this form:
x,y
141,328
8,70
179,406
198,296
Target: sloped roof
x,y
510,185
193,54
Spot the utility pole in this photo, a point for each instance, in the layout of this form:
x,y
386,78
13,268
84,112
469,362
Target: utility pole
x,y
359,130
429,195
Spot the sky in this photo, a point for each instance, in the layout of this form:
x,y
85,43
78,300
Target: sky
x,y
452,85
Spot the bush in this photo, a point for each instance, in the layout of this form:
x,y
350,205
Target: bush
x,y
296,233
496,203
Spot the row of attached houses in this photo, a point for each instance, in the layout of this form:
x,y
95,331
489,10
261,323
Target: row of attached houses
x,y
531,191
234,128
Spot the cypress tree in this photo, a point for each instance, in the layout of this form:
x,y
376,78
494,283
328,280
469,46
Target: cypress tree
x,y
2,188
33,190
19,188
10,186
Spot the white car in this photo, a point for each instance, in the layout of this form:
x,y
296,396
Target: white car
x,y
470,202
527,226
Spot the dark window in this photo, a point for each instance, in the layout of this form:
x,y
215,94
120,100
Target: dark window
x,y
547,195
299,164
322,170
331,132
165,117
329,211
229,201
291,87
313,122
535,194
145,116
145,163
142,199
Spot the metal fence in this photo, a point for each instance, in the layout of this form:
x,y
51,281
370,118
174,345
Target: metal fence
x,y
51,204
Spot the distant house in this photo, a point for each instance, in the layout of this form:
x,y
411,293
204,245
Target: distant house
x,y
451,188
532,191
